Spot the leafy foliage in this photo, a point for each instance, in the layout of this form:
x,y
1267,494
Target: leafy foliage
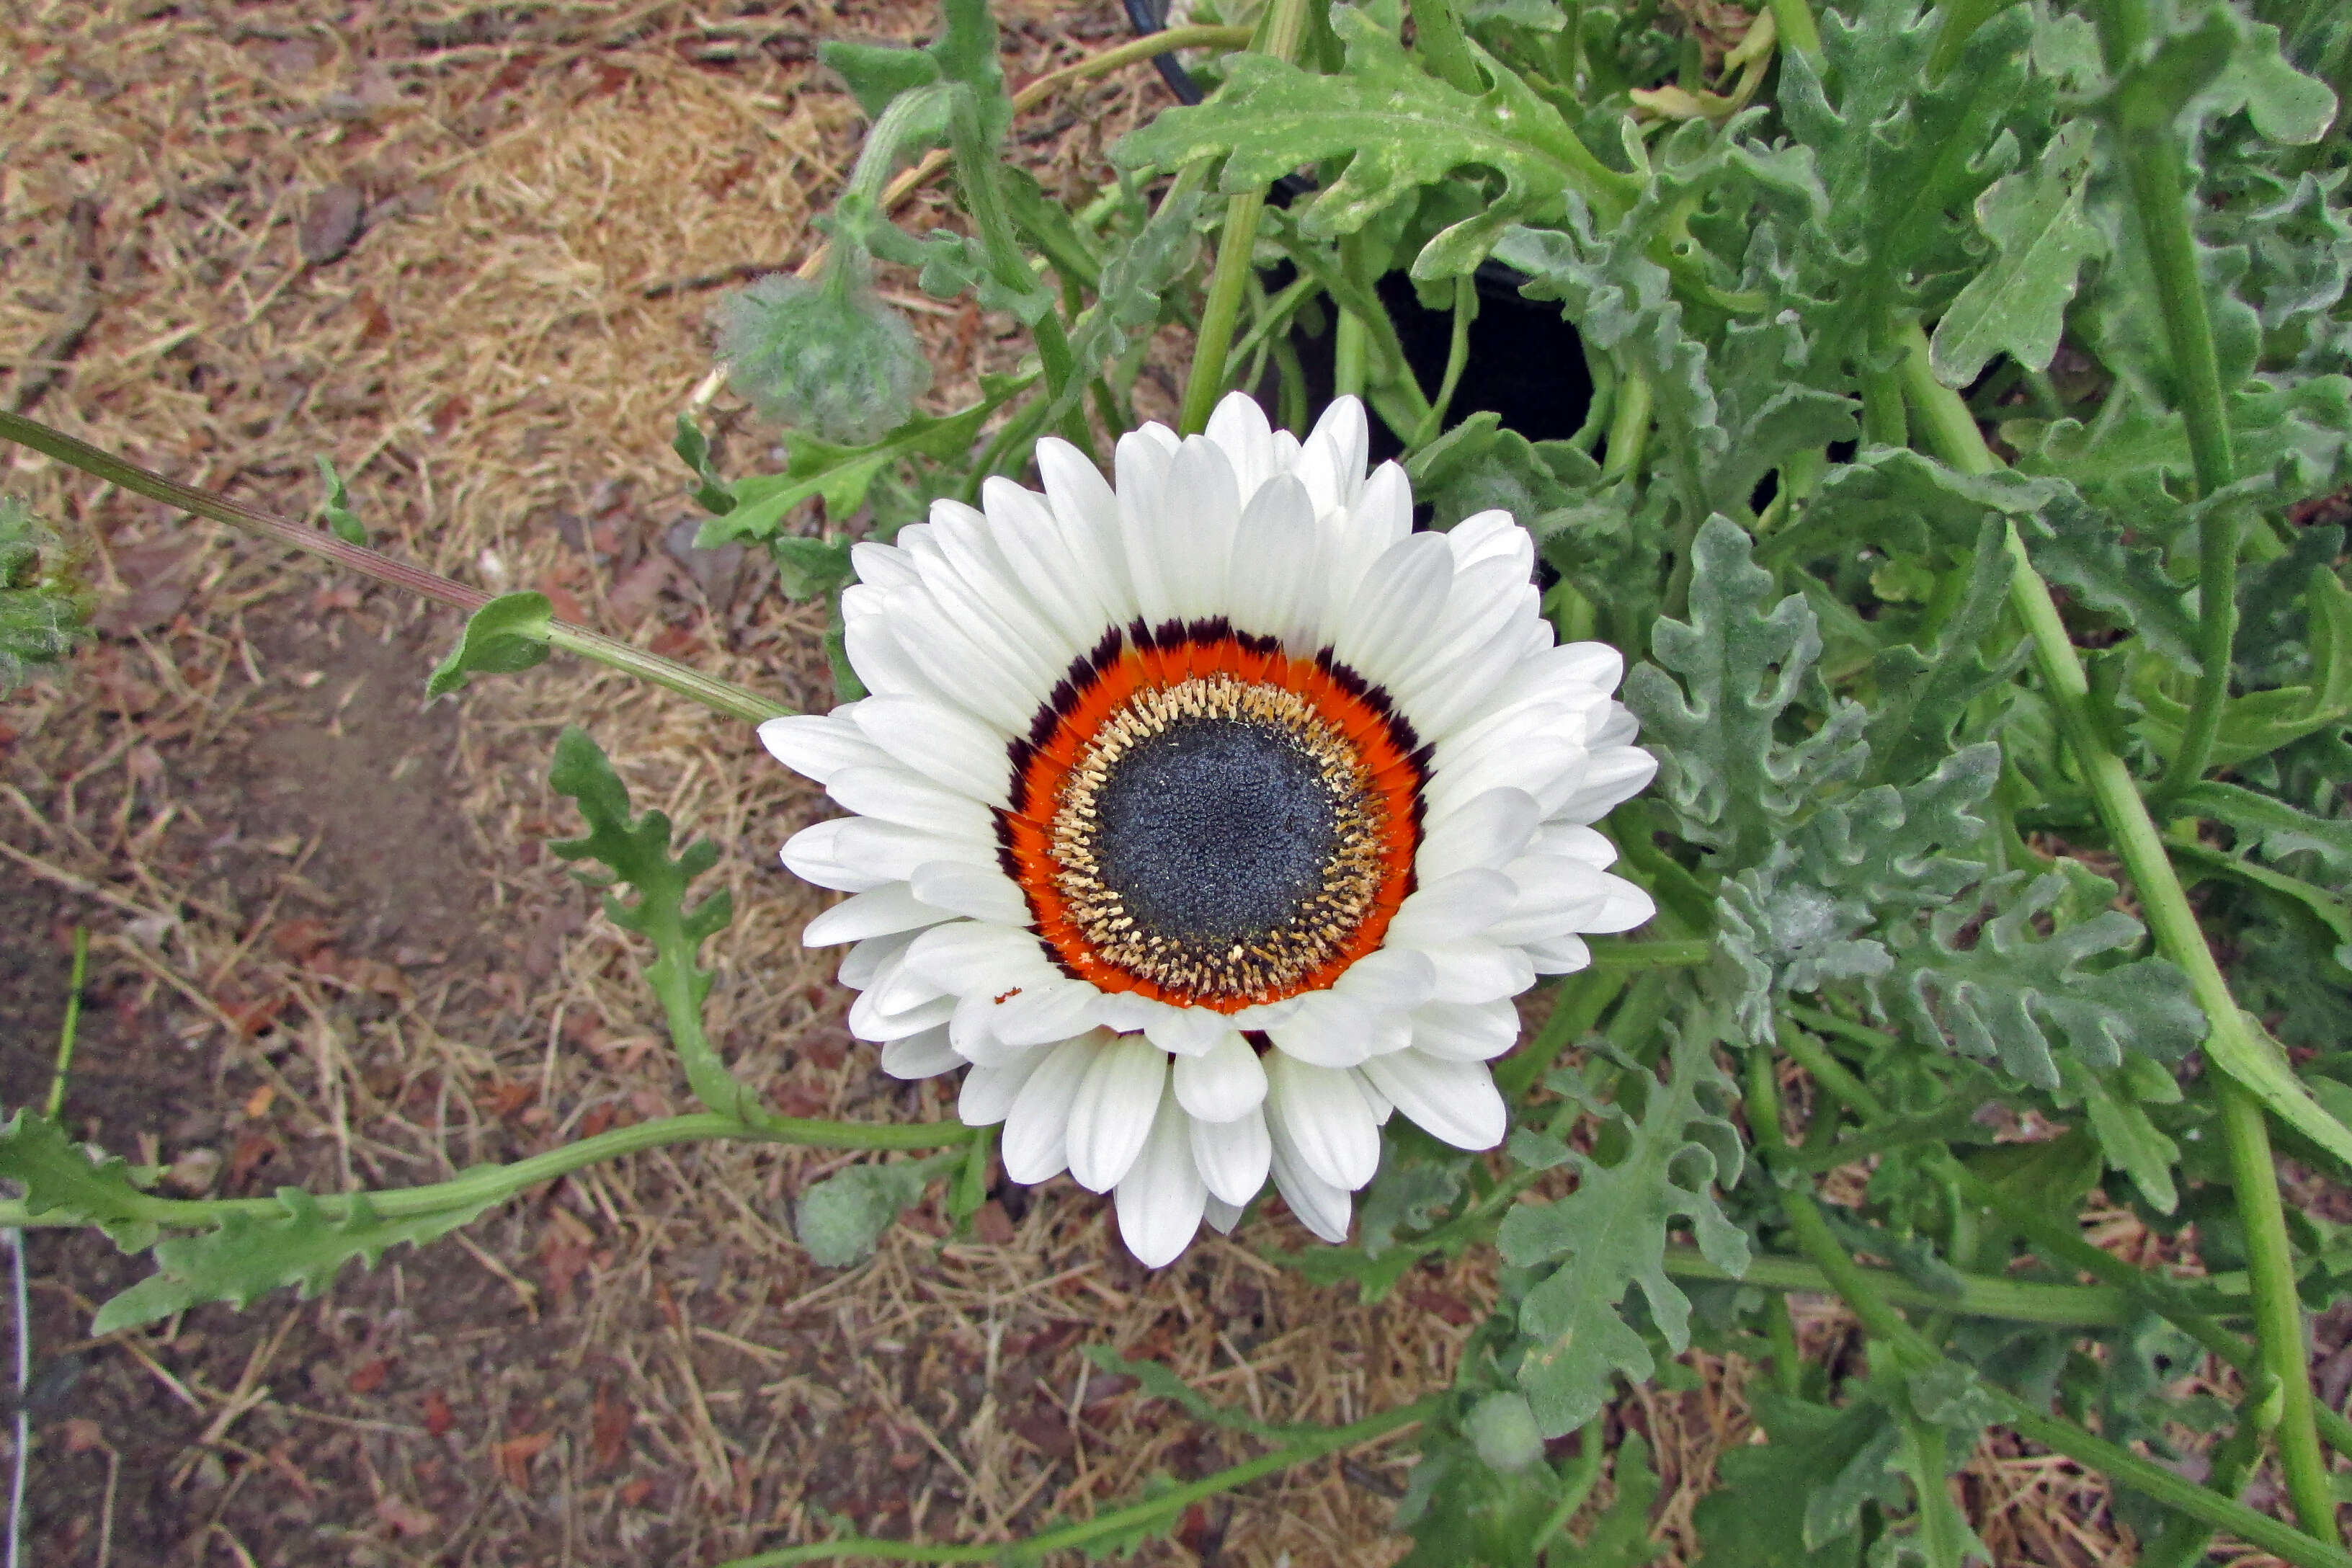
x,y
60,1176
337,506
505,636
304,1246
1612,1232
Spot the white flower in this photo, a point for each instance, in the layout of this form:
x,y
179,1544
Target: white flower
x,y
1210,819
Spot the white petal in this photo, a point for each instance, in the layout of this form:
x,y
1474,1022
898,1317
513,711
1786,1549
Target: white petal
x,y
942,744
868,1020
1225,1082
1220,1216
1464,1032
1331,459
988,1093
1142,465
982,892
891,907
994,680
1489,830
881,565
1478,970
1325,1119
1327,1029
1493,535
1113,1111
1034,1146
1555,894
818,745
1563,955
1198,529
1629,906
1082,502
886,664
1387,622
1239,426
1609,777
1273,585
855,853
1593,664
1451,1100
1187,1031
1319,1205
815,854
1233,1156
1042,1011
1394,978
973,1032
926,1055
1442,702
969,956
1462,904
862,964
893,795
1161,1197
1576,841
1065,572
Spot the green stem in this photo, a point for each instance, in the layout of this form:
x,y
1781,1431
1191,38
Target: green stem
x,y
720,696
2183,1539
1578,1485
1682,953
1350,354
71,1026
490,1184
1117,1522
983,193
2155,172
1629,427
1458,356
2250,1066
1979,1295
1864,1299
1284,31
1799,32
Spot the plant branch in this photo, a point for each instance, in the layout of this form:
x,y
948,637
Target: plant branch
x,y
489,1184
2251,1066
720,696
1285,30
2155,172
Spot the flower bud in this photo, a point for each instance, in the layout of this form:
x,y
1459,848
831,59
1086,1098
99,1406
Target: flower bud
x,y
828,358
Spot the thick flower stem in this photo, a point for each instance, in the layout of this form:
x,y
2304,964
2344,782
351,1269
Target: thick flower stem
x,y
720,696
1284,33
490,1184
2154,170
1119,1522
2250,1068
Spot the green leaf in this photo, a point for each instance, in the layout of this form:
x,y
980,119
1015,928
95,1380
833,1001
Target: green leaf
x,y
64,1177
2017,306
841,1218
637,854
2129,1141
1619,1538
840,475
1796,1501
1730,781
505,636
1478,466
965,50
1611,1233
2256,725
710,491
1924,697
2008,989
2281,831
337,507
1397,128
42,610
811,568
1138,278
248,1258
1418,1181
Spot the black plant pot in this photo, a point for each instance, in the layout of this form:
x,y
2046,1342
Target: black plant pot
x,y
1526,361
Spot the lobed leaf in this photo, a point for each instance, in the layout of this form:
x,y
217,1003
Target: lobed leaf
x,y
842,1218
1611,1233
61,1176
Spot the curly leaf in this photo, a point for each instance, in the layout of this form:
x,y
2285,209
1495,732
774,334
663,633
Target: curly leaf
x,y
637,854
1796,1501
2008,993
62,1177
1731,782
505,636
248,1258
42,611
1611,1233
2017,306
965,51
841,1218
1399,129
337,506
1138,279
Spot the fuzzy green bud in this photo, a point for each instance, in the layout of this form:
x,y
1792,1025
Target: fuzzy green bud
x,y
829,357
1503,1429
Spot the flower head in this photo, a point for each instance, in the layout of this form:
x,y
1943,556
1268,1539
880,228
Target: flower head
x,y
1211,819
